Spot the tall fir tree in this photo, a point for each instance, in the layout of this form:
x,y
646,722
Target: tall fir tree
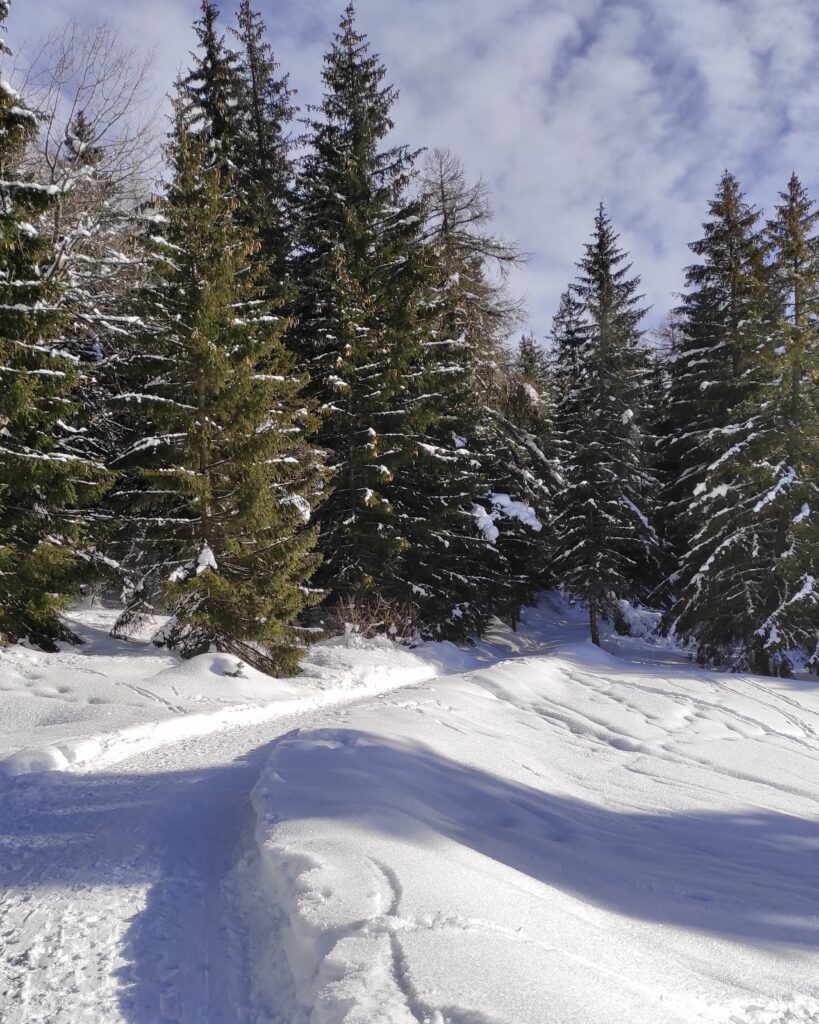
x,y
606,548
523,470
398,513
727,324
209,93
47,479
783,454
240,103
713,328
748,594
224,478
569,339
263,169
531,380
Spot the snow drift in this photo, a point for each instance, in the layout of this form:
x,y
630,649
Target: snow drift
x,y
547,841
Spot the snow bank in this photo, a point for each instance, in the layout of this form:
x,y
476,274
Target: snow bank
x,y
93,706
547,840
109,699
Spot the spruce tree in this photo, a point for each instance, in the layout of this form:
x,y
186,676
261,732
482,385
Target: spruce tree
x,y
240,103
531,385
210,92
726,326
784,454
747,591
569,338
716,324
523,470
399,512
224,478
263,169
605,546
46,478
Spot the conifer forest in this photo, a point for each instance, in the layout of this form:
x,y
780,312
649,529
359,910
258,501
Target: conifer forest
x,y
274,384
409,512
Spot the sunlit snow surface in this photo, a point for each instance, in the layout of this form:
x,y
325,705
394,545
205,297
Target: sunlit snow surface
x,y
531,832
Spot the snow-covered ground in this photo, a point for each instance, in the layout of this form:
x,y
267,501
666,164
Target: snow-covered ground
x,y
107,700
529,832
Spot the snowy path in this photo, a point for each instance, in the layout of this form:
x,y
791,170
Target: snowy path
x,y
575,839
530,832
113,908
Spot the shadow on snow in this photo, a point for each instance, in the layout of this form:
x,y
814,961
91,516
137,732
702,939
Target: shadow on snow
x,y
749,877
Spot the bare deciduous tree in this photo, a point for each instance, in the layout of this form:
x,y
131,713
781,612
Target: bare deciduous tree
x,y
475,265
99,145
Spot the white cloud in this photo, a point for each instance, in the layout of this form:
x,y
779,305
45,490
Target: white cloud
x,y
560,103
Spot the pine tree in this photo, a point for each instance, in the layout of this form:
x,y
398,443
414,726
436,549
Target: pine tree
x,y
523,470
263,169
569,339
726,325
399,513
784,454
531,385
210,94
605,546
748,583
45,477
225,480
715,325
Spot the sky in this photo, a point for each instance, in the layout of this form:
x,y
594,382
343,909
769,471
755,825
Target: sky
x,y
557,104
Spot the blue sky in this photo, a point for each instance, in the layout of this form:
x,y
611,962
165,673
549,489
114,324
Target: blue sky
x,y
558,104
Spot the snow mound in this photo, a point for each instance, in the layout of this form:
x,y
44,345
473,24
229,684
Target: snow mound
x,y
93,706
546,840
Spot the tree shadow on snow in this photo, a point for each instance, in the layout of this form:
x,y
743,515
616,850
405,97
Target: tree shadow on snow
x,y
141,838
750,877
747,877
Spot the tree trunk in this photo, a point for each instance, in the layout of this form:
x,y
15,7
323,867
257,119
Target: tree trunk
x,y
204,465
594,625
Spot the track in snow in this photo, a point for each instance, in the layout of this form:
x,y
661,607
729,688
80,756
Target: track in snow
x,y
113,908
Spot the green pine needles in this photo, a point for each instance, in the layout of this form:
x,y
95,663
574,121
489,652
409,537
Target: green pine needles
x,y
291,379
223,482
46,480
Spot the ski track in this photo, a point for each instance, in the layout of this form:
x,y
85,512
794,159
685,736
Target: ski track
x,y
112,883
123,880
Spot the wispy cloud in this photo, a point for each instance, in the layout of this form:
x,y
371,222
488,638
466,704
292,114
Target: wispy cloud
x,y
560,103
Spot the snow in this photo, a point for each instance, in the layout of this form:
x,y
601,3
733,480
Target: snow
x,y
527,831
485,522
807,590
787,480
552,839
5,87
206,560
504,507
301,505
110,699
511,509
